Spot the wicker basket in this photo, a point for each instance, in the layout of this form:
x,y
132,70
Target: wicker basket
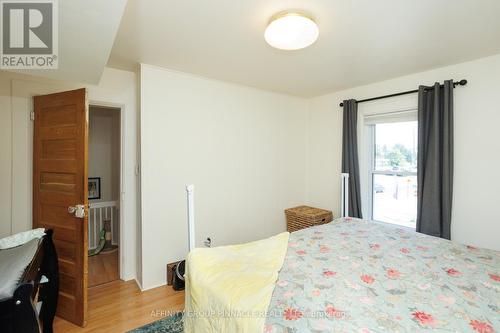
x,y
304,217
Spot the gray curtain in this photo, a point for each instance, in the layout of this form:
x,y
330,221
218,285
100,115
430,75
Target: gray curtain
x,y
350,162
435,159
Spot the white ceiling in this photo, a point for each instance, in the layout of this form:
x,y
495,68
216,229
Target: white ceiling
x,y
87,29
361,41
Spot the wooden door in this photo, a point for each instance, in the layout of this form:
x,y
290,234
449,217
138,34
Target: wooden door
x,y
60,150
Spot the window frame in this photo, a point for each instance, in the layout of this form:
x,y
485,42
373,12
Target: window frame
x,y
370,144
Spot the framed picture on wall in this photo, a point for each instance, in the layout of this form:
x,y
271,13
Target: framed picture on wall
x,y
94,188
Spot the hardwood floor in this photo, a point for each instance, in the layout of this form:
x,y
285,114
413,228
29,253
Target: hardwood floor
x,y
120,306
103,268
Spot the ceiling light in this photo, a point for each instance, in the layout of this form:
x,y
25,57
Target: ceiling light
x,y
291,31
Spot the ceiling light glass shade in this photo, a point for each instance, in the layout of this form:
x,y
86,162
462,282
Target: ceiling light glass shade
x,y
291,31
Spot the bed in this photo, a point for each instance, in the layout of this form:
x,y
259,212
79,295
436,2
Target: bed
x,y
353,275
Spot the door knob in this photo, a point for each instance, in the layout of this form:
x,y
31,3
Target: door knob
x,y
78,210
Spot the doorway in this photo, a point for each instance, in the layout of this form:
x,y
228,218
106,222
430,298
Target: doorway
x,y
104,165
60,183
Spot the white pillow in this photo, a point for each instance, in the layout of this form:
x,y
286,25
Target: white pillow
x,y
21,238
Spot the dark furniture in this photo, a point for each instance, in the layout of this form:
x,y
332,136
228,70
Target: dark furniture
x,y
171,272
19,312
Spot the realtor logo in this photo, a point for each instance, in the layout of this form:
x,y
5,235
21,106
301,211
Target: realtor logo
x,y
29,34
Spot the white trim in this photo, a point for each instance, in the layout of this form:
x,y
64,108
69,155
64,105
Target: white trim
x,y
391,117
394,173
394,225
94,225
157,285
390,113
368,167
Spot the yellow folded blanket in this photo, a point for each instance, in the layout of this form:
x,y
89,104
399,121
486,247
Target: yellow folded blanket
x,y
228,288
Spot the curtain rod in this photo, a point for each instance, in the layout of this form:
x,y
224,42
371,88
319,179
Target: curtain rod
x,y
459,83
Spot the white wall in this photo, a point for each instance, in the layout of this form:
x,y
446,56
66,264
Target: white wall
x,y
104,151
250,154
16,131
242,148
5,158
477,145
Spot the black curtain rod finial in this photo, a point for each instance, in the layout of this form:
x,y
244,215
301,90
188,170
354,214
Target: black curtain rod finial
x,y
462,82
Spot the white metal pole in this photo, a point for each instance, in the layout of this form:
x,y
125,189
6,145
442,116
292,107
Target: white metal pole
x,y
342,192
190,202
346,201
344,196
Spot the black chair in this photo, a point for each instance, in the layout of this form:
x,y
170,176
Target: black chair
x,y
19,312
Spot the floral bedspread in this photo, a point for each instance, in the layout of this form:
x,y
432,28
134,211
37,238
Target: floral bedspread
x,y
357,276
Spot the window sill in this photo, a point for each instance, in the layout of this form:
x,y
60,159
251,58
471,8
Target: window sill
x,y
395,225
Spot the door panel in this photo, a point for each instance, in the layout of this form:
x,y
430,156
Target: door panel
x,y
60,181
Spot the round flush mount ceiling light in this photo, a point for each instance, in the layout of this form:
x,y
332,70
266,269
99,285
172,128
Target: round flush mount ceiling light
x,y
291,31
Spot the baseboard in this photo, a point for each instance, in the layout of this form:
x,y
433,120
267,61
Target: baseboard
x,y
138,284
154,286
